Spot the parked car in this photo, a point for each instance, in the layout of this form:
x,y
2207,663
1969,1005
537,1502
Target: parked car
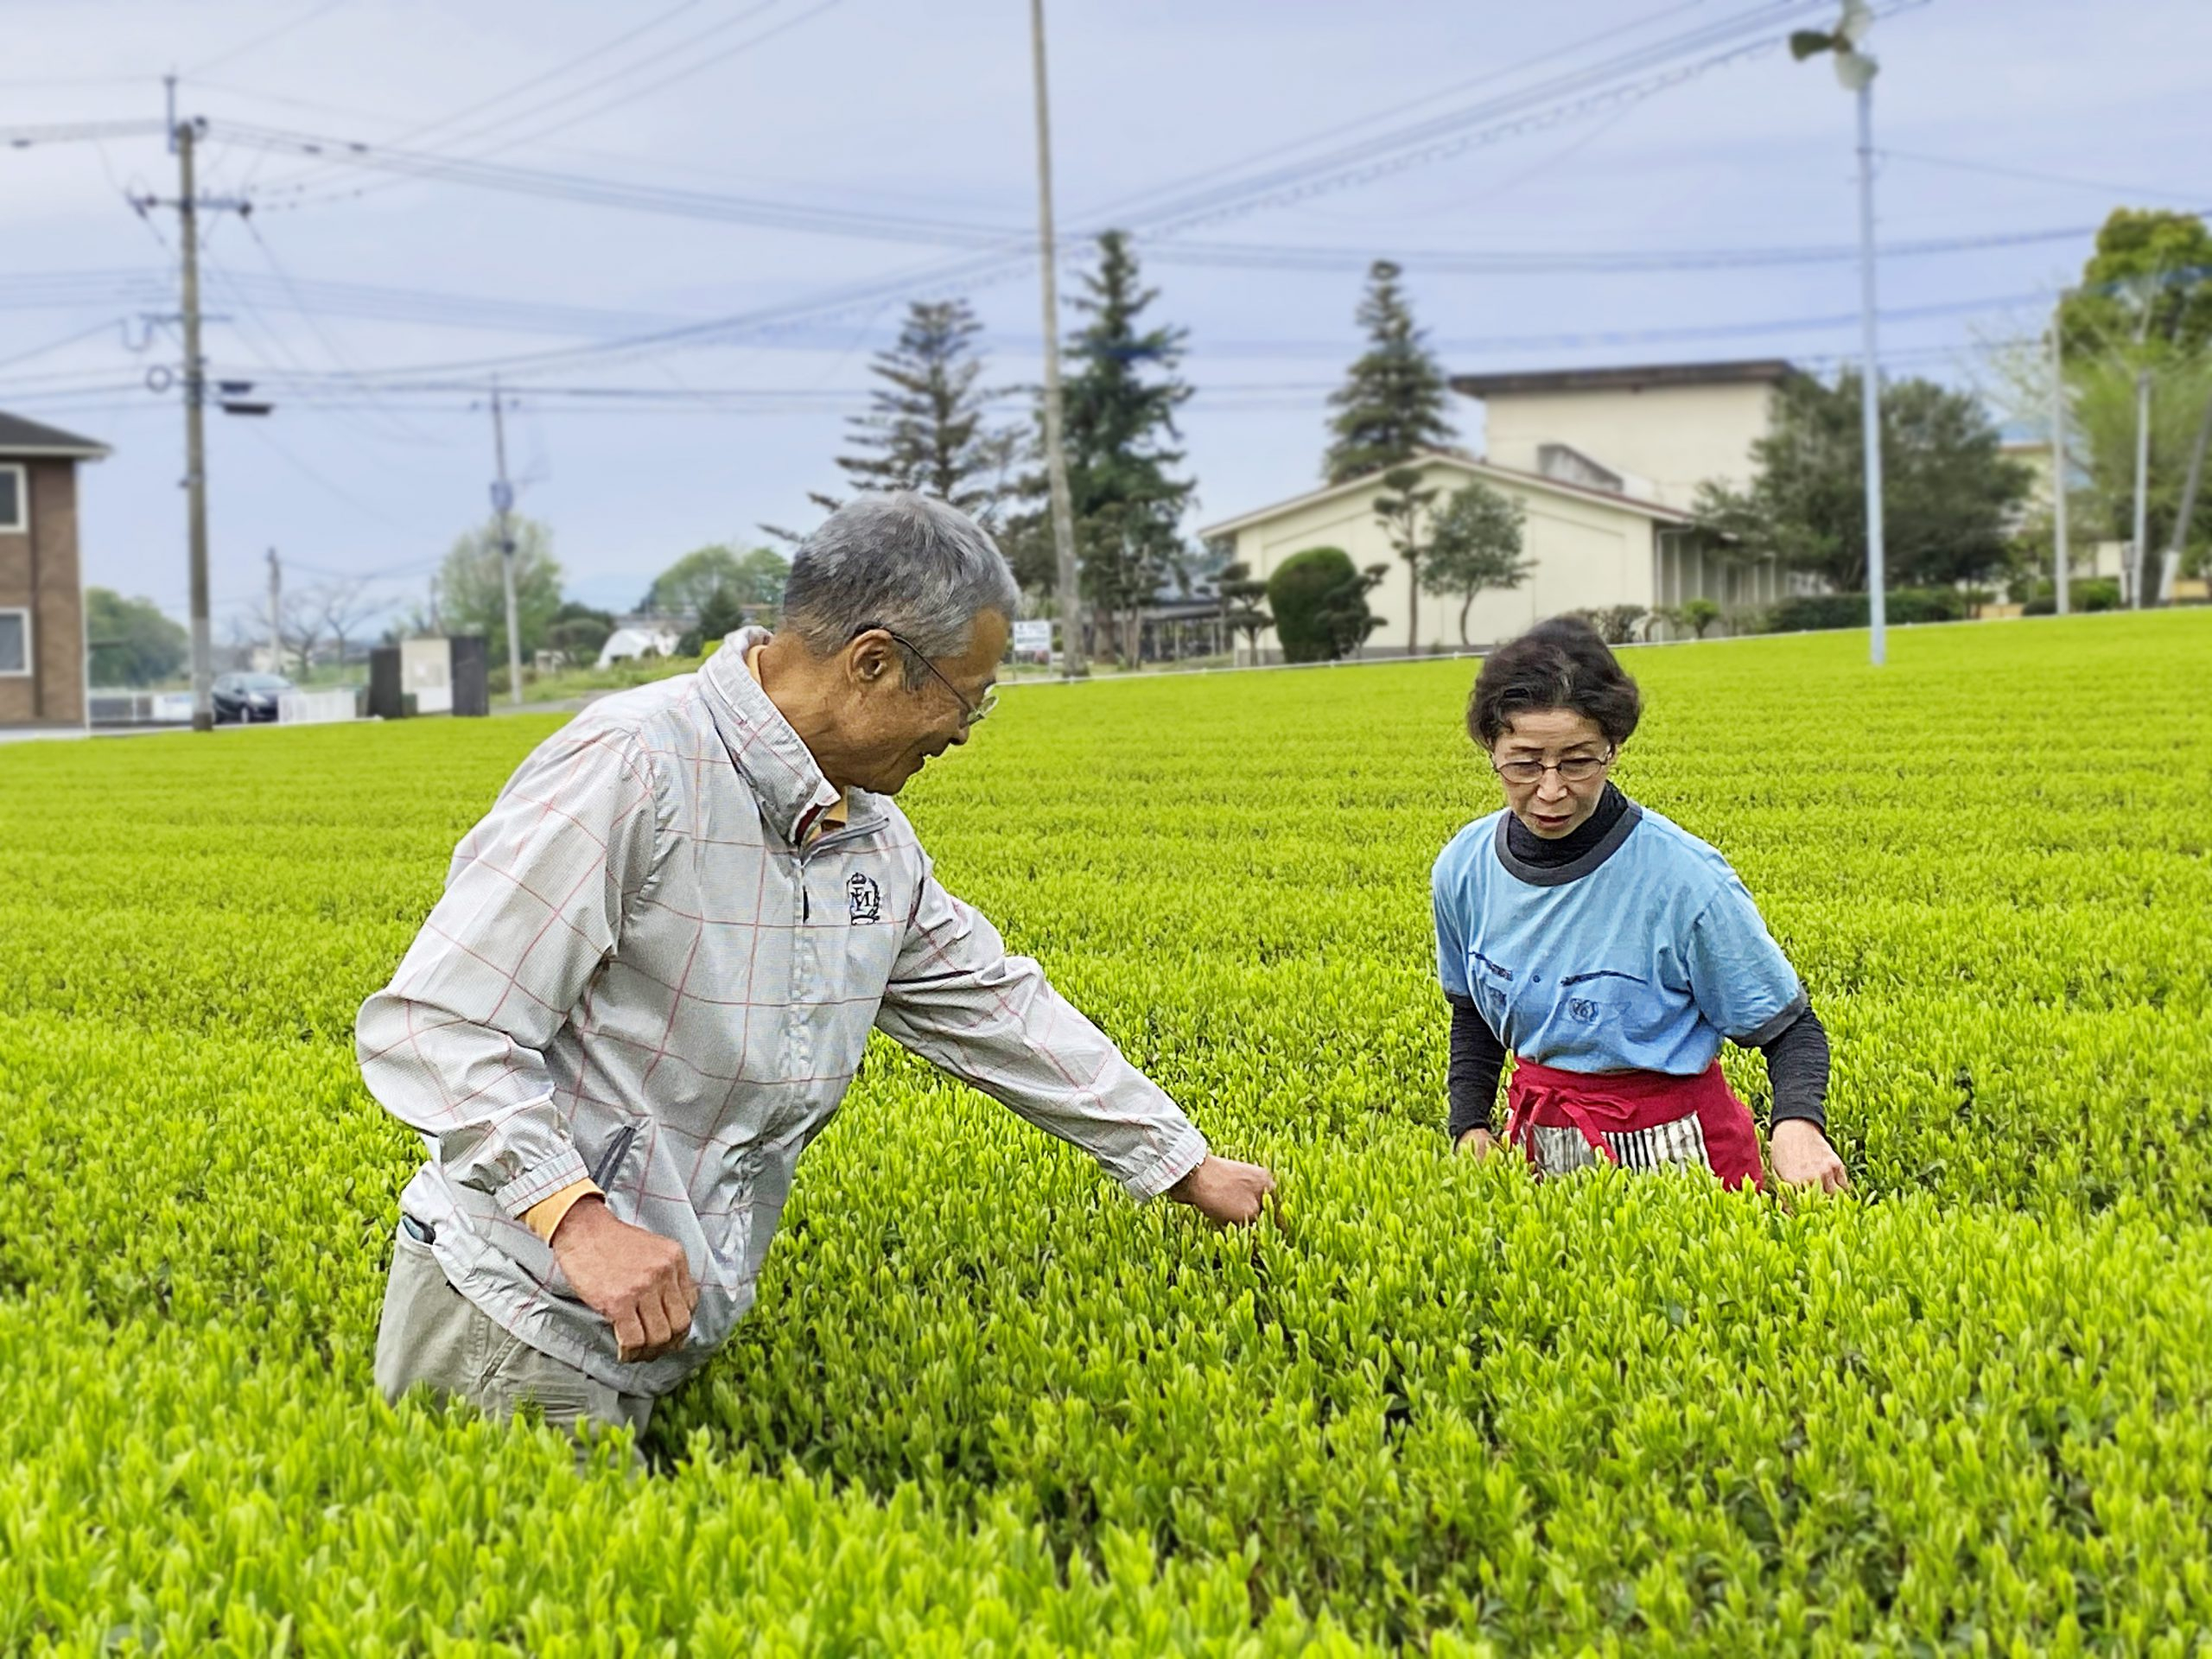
x,y
248,696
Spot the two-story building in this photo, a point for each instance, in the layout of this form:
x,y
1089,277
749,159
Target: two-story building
x,y
1605,465
42,655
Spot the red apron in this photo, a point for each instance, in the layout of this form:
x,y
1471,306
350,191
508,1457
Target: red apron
x,y
1644,1120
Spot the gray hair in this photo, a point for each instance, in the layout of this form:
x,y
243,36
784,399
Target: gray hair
x,y
905,561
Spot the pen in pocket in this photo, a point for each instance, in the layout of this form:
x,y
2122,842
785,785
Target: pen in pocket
x,y
611,1157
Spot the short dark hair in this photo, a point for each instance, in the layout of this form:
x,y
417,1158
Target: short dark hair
x,y
1559,664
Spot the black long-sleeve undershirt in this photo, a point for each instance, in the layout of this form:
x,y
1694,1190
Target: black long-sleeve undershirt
x,y
1796,1056
1797,1069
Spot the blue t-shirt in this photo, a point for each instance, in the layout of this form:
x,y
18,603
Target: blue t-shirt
x,y
1640,955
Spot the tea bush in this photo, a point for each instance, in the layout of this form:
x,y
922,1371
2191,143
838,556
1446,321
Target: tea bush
x,y
987,1406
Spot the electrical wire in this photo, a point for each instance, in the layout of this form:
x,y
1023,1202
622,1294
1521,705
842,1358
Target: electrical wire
x,y
262,40
2001,170
1441,136
586,190
67,340
540,79
1107,210
577,117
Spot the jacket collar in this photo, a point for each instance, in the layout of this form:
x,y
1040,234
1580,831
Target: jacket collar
x,y
782,770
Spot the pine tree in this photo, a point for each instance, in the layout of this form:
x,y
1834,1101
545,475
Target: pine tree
x,y
925,429
1391,405
1120,396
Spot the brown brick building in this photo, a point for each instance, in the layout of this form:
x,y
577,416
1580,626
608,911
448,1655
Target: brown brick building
x,y
42,578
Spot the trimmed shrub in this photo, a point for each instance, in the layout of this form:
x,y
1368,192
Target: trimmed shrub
x,y
1301,593
2086,594
1812,613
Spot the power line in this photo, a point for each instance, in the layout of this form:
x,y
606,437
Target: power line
x,y
696,66
326,391
69,290
588,191
1006,261
368,385
1107,210
535,80
56,344
1441,136
66,132
262,40
1012,251
329,345
336,491
1527,108
2001,170
1638,73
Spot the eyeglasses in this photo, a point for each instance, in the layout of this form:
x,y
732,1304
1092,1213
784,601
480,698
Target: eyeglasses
x,y
1575,769
971,713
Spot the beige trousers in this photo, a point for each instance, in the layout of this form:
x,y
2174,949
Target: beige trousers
x,y
432,1333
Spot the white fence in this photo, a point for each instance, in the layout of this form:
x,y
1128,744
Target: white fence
x,y
142,708
124,708
314,707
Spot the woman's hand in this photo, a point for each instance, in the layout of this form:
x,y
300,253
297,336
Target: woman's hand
x,y
1802,1157
1476,1143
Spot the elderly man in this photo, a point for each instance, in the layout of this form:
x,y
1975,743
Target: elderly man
x,y
654,968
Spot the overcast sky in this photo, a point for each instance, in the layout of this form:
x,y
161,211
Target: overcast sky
x,y
910,127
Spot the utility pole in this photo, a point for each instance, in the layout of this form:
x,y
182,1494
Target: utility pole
x,y
2061,559
183,136
196,438
2137,555
503,501
1056,459
276,614
1856,70
2170,567
1870,382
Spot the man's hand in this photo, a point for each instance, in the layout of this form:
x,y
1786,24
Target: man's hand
x,y
1802,1157
1477,1144
1225,1190
639,1281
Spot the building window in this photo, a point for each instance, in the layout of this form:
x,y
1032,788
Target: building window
x,y
15,643
15,499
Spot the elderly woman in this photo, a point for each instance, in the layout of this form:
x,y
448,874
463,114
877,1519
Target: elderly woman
x,y
1610,951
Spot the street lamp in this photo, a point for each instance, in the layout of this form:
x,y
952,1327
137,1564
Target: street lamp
x,y
1855,69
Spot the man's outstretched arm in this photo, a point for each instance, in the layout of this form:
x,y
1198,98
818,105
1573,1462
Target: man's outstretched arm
x,y
994,1022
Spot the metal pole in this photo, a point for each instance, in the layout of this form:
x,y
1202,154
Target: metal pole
x,y
1870,392
503,499
1068,580
2170,567
2061,557
275,615
195,440
2136,560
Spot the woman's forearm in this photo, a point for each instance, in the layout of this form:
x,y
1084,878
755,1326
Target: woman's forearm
x,y
1798,1070
1478,1057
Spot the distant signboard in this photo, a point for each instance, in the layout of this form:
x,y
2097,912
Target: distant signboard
x,y
1033,641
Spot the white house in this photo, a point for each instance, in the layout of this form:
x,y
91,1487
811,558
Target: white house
x,y
2088,554
625,643
1655,431
1591,547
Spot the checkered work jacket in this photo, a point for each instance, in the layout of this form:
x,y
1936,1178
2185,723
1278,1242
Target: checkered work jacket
x,y
640,935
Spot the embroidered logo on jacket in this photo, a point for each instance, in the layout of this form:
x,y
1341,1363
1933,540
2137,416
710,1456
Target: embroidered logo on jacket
x,y
1583,1010
865,898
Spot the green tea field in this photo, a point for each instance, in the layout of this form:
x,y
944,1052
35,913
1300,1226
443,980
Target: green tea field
x,y
988,1406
